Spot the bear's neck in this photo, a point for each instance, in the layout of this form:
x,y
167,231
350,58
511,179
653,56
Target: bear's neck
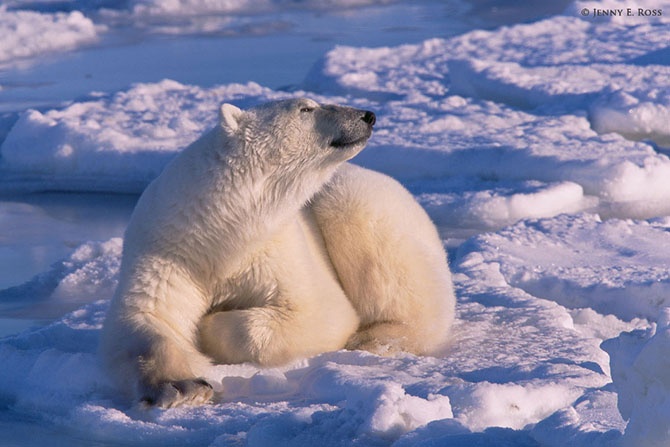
x,y
243,199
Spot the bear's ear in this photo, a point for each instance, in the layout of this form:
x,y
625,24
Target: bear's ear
x,y
230,118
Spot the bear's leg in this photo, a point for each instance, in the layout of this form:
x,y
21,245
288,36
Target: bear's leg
x,y
301,311
261,335
151,358
272,335
169,375
176,393
149,337
390,262
384,338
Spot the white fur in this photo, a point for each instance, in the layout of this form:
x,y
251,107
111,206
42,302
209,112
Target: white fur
x,y
237,252
390,262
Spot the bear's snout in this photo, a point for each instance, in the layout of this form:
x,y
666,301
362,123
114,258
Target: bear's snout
x,y
369,118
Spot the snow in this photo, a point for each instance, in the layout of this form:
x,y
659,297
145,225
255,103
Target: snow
x,y
519,358
567,267
27,34
639,370
539,149
118,143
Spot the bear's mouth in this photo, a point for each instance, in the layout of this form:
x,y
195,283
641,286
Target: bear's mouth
x,y
342,143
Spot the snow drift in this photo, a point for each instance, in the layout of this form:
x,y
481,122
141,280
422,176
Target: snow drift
x,y
27,34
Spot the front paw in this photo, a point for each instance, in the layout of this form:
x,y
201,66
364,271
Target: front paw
x,y
176,393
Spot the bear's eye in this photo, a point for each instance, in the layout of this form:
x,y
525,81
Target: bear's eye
x,y
307,109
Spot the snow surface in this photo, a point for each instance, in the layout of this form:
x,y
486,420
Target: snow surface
x,y
27,34
539,149
518,361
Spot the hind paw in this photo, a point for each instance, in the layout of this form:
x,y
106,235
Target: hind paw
x,y
176,393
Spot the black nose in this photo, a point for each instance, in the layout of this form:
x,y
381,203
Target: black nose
x,y
369,118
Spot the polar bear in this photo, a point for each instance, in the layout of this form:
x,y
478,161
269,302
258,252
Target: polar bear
x,y
260,243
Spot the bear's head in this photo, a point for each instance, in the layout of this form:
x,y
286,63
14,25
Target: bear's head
x,y
299,131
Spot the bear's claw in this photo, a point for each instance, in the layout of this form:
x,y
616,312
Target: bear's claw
x,y
176,393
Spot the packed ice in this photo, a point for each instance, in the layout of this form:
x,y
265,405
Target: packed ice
x,y
29,34
539,149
